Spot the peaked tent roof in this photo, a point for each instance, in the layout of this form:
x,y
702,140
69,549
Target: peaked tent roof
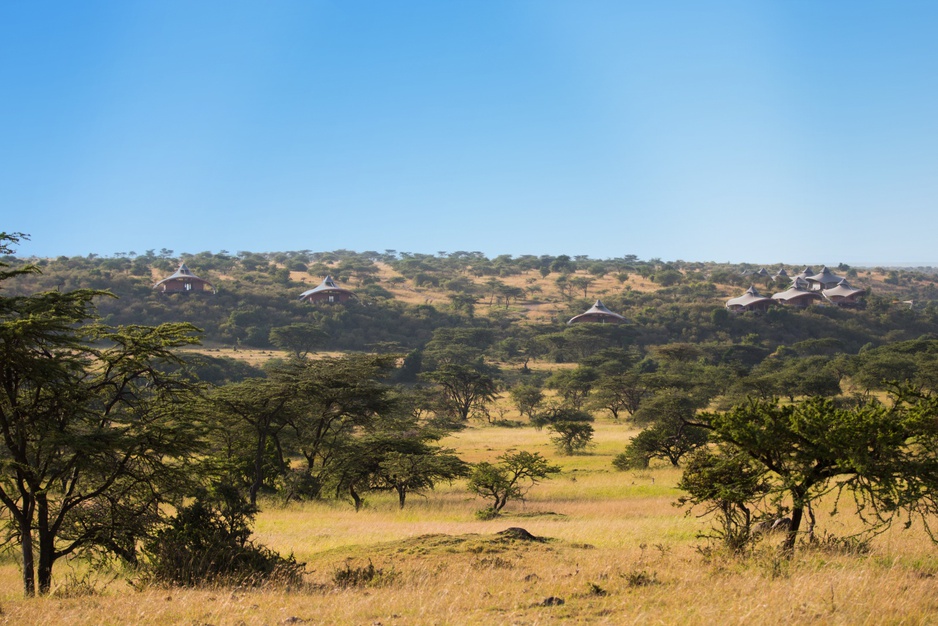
x,y
328,286
599,311
748,299
799,288
843,289
781,273
185,273
825,276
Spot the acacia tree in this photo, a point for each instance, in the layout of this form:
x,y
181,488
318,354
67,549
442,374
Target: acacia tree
x,y
91,436
509,479
465,387
331,399
667,439
527,398
882,456
252,414
620,392
571,437
299,338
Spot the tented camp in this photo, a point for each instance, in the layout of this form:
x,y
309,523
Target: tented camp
x,y
798,294
328,292
843,294
183,281
752,300
823,280
597,313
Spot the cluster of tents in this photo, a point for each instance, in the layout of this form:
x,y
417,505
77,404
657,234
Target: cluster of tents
x,y
806,288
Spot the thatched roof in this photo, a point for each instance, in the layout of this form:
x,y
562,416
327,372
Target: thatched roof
x,y
597,313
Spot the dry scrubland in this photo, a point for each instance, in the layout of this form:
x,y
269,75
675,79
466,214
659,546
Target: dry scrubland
x,y
618,552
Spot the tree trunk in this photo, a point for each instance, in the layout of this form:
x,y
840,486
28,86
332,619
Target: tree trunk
x,y
46,545
29,568
258,467
355,497
401,495
797,513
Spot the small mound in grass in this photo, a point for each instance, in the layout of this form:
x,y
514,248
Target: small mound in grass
x,y
520,534
513,538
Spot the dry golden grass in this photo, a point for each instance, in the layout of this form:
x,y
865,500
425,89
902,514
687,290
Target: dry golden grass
x,y
619,553
543,307
255,357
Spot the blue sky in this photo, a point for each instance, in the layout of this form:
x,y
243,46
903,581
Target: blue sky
x,y
790,131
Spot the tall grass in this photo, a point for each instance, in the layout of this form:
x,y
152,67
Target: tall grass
x,y
620,553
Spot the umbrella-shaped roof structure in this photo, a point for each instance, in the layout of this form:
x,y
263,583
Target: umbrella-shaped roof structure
x,y
183,281
824,279
798,294
843,293
327,291
781,274
807,271
597,313
752,300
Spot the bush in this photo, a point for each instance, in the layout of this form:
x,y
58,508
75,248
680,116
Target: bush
x,y
365,576
207,542
571,437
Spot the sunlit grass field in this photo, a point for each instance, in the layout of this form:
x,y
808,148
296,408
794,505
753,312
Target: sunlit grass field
x,y
617,552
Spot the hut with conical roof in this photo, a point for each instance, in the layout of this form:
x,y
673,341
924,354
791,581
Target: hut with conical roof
x,y
183,281
752,300
598,313
781,274
844,295
798,294
327,292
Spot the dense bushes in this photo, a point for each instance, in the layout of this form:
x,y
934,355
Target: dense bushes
x,y
208,542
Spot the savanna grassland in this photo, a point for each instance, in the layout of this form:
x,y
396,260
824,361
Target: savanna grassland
x,y
598,546
616,551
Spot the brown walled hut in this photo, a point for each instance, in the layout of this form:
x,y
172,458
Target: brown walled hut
x,y
598,313
798,294
328,292
844,295
752,300
184,281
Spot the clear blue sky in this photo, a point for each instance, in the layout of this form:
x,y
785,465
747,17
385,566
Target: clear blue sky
x,y
788,131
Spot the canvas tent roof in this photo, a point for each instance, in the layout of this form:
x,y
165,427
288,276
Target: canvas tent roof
x,y
825,277
185,273
327,285
843,289
799,288
747,299
597,311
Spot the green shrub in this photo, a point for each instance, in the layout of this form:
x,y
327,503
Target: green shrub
x,y
208,543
